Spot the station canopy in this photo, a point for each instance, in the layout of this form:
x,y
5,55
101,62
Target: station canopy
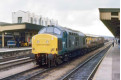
x,y
111,19
19,27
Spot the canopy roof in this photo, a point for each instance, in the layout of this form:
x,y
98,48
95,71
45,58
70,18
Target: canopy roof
x,y
111,19
21,26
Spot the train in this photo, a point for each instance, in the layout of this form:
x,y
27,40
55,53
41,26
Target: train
x,y
54,45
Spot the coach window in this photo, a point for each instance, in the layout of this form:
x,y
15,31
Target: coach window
x,y
57,31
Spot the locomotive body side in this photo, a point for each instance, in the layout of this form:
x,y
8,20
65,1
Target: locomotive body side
x,y
75,40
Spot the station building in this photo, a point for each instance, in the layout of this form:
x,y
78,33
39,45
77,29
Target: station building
x,y
27,17
24,25
21,32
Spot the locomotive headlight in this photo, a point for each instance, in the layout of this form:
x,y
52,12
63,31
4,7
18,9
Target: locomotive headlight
x,y
47,42
33,37
52,38
33,48
38,41
52,49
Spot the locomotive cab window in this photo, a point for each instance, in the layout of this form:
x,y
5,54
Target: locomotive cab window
x,y
57,31
50,30
42,31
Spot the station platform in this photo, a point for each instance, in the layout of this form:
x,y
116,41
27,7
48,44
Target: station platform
x,y
109,68
13,52
14,49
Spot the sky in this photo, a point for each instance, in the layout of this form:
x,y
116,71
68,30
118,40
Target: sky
x,y
81,15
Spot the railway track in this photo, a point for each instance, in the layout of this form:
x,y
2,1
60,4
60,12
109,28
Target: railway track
x,y
16,62
10,58
16,57
87,69
40,73
28,74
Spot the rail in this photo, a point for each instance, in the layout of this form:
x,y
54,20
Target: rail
x,y
68,75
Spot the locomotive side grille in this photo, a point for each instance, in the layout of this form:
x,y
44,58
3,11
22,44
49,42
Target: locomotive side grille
x,y
59,44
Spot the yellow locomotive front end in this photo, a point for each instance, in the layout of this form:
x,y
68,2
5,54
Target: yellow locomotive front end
x,y
44,43
45,48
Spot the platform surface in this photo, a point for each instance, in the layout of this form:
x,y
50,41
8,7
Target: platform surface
x,y
109,68
14,49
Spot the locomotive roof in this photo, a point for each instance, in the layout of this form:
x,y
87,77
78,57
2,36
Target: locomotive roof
x,y
70,30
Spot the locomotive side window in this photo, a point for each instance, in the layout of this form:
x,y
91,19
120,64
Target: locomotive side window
x,y
77,40
64,34
69,43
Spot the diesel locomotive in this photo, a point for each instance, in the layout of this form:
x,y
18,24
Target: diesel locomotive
x,y
54,45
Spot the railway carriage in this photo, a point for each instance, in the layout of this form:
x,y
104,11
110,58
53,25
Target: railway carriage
x,y
94,41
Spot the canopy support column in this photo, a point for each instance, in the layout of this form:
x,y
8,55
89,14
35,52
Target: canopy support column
x,y
3,39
